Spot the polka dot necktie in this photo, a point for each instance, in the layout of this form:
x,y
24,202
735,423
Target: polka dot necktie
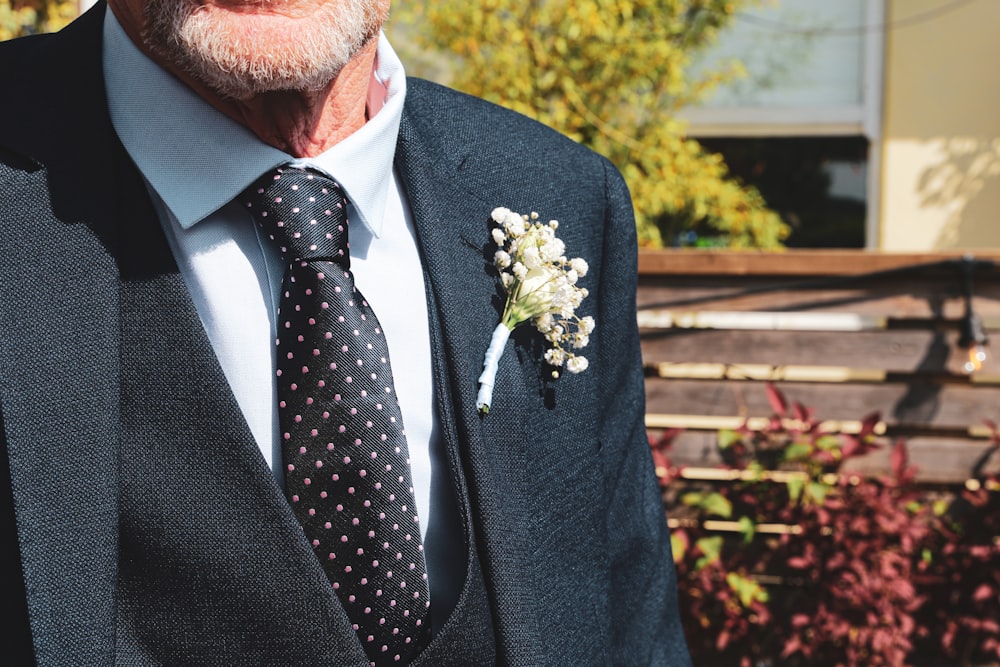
x,y
347,471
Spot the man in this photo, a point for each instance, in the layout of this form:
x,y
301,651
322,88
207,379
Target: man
x,y
155,503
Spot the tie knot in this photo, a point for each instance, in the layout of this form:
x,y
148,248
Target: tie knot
x,y
303,211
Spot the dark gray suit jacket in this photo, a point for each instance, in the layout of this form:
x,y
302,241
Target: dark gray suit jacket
x,y
145,521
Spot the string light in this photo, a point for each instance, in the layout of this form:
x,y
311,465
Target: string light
x,y
972,335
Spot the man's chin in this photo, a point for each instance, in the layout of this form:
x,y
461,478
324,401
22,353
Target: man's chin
x,y
246,85
242,54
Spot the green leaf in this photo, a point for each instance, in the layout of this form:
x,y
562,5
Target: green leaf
x,y
748,527
717,504
678,547
746,589
727,438
711,547
798,451
795,486
828,443
692,499
816,492
710,503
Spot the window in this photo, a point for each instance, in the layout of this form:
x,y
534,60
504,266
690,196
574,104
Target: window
x,y
802,123
819,185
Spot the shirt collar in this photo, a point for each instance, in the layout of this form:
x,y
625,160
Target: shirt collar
x,y
197,159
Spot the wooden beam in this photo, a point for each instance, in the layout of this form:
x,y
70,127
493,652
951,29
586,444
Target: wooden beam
x,y
765,320
733,475
788,263
763,372
735,527
811,374
846,427
659,318
716,423
702,474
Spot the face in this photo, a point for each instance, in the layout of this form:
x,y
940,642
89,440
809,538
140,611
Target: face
x,y
241,49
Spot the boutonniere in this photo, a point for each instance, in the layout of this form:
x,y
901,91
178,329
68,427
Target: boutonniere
x,y
541,289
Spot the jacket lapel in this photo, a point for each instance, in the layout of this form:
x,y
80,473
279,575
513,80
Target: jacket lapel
x,y
467,304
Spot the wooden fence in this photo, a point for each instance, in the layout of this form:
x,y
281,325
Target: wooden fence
x,y
847,333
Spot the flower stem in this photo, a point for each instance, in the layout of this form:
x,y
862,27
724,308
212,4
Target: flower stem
x,y
490,364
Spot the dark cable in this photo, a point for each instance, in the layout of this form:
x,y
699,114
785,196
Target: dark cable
x,y
855,30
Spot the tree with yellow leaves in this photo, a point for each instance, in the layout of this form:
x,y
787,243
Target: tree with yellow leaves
x,y
29,17
611,74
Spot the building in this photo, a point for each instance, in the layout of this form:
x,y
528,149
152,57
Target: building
x,y
890,106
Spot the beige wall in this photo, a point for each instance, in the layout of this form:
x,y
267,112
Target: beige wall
x,y
941,149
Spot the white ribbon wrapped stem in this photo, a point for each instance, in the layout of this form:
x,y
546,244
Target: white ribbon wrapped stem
x,y
490,364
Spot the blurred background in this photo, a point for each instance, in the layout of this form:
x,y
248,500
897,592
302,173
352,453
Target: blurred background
x,y
860,123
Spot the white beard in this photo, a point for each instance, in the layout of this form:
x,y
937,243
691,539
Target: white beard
x,y
241,54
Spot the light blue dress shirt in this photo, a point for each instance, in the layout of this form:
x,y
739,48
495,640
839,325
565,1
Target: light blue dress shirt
x,y
195,161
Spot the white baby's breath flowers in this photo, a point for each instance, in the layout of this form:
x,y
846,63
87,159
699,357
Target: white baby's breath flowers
x,y
555,356
577,364
541,285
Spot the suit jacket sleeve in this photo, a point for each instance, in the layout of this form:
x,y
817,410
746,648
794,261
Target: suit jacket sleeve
x,y
645,624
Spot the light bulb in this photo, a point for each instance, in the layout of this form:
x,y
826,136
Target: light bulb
x,y
977,356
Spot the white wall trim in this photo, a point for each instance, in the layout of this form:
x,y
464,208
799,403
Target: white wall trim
x,y
874,95
774,121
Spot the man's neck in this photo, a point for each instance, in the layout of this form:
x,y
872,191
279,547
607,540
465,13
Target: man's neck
x,y
303,123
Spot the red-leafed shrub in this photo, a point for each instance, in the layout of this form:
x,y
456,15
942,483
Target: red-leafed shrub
x,y
793,563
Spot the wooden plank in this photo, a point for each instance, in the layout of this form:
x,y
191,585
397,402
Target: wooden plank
x,y
811,374
664,319
733,475
897,351
916,298
718,526
790,262
763,372
916,404
758,320
694,473
717,422
939,461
